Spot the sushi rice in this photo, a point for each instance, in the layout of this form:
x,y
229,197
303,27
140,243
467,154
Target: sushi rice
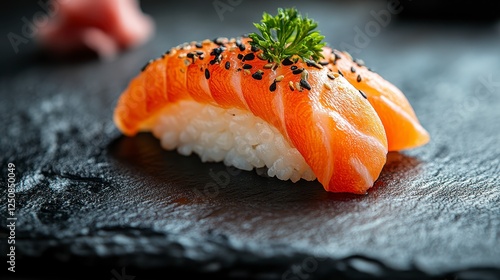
x,y
233,136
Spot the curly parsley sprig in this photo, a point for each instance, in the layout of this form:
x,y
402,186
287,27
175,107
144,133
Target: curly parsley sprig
x,y
287,34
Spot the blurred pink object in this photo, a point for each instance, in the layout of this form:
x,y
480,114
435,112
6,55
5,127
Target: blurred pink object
x,y
103,26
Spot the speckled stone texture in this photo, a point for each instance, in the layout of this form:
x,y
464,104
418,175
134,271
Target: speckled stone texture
x,y
93,204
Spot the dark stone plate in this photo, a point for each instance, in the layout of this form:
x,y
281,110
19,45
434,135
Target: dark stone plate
x,y
93,204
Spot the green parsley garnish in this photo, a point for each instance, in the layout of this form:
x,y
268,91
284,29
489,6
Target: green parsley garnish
x,y
288,34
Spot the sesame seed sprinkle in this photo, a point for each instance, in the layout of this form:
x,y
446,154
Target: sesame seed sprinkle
x,y
227,65
358,79
305,75
287,62
313,64
207,73
353,70
305,84
220,40
363,94
146,65
297,86
272,87
240,45
257,75
249,56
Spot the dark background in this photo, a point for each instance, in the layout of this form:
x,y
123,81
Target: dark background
x,y
92,204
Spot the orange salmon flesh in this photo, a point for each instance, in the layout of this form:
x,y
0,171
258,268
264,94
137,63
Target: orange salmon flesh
x,y
341,117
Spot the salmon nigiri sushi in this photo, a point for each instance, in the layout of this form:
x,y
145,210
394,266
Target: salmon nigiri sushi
x,y
276,100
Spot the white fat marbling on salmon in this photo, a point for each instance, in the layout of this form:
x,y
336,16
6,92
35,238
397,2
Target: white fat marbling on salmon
x,y
236,84
362,170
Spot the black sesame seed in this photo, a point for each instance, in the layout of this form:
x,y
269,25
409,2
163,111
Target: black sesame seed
x,y
240,45
257,76
298,71
312,63
167,52
240,56
324,63
190,55
305,84
294,67
207,74
363,94
353,70
217,51
287,62
199,45
213,61
227,65
340,72
146,65
337,56
254,48
358,79
247,66
273,86
330,76
219,41
199,52
249,56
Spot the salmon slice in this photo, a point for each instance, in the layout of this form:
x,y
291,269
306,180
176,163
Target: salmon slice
x,y
401,124
317,112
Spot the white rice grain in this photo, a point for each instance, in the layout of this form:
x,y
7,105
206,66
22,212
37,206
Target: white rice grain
x,y
232,136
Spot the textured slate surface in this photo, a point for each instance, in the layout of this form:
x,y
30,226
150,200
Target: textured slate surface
x,y
94,204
